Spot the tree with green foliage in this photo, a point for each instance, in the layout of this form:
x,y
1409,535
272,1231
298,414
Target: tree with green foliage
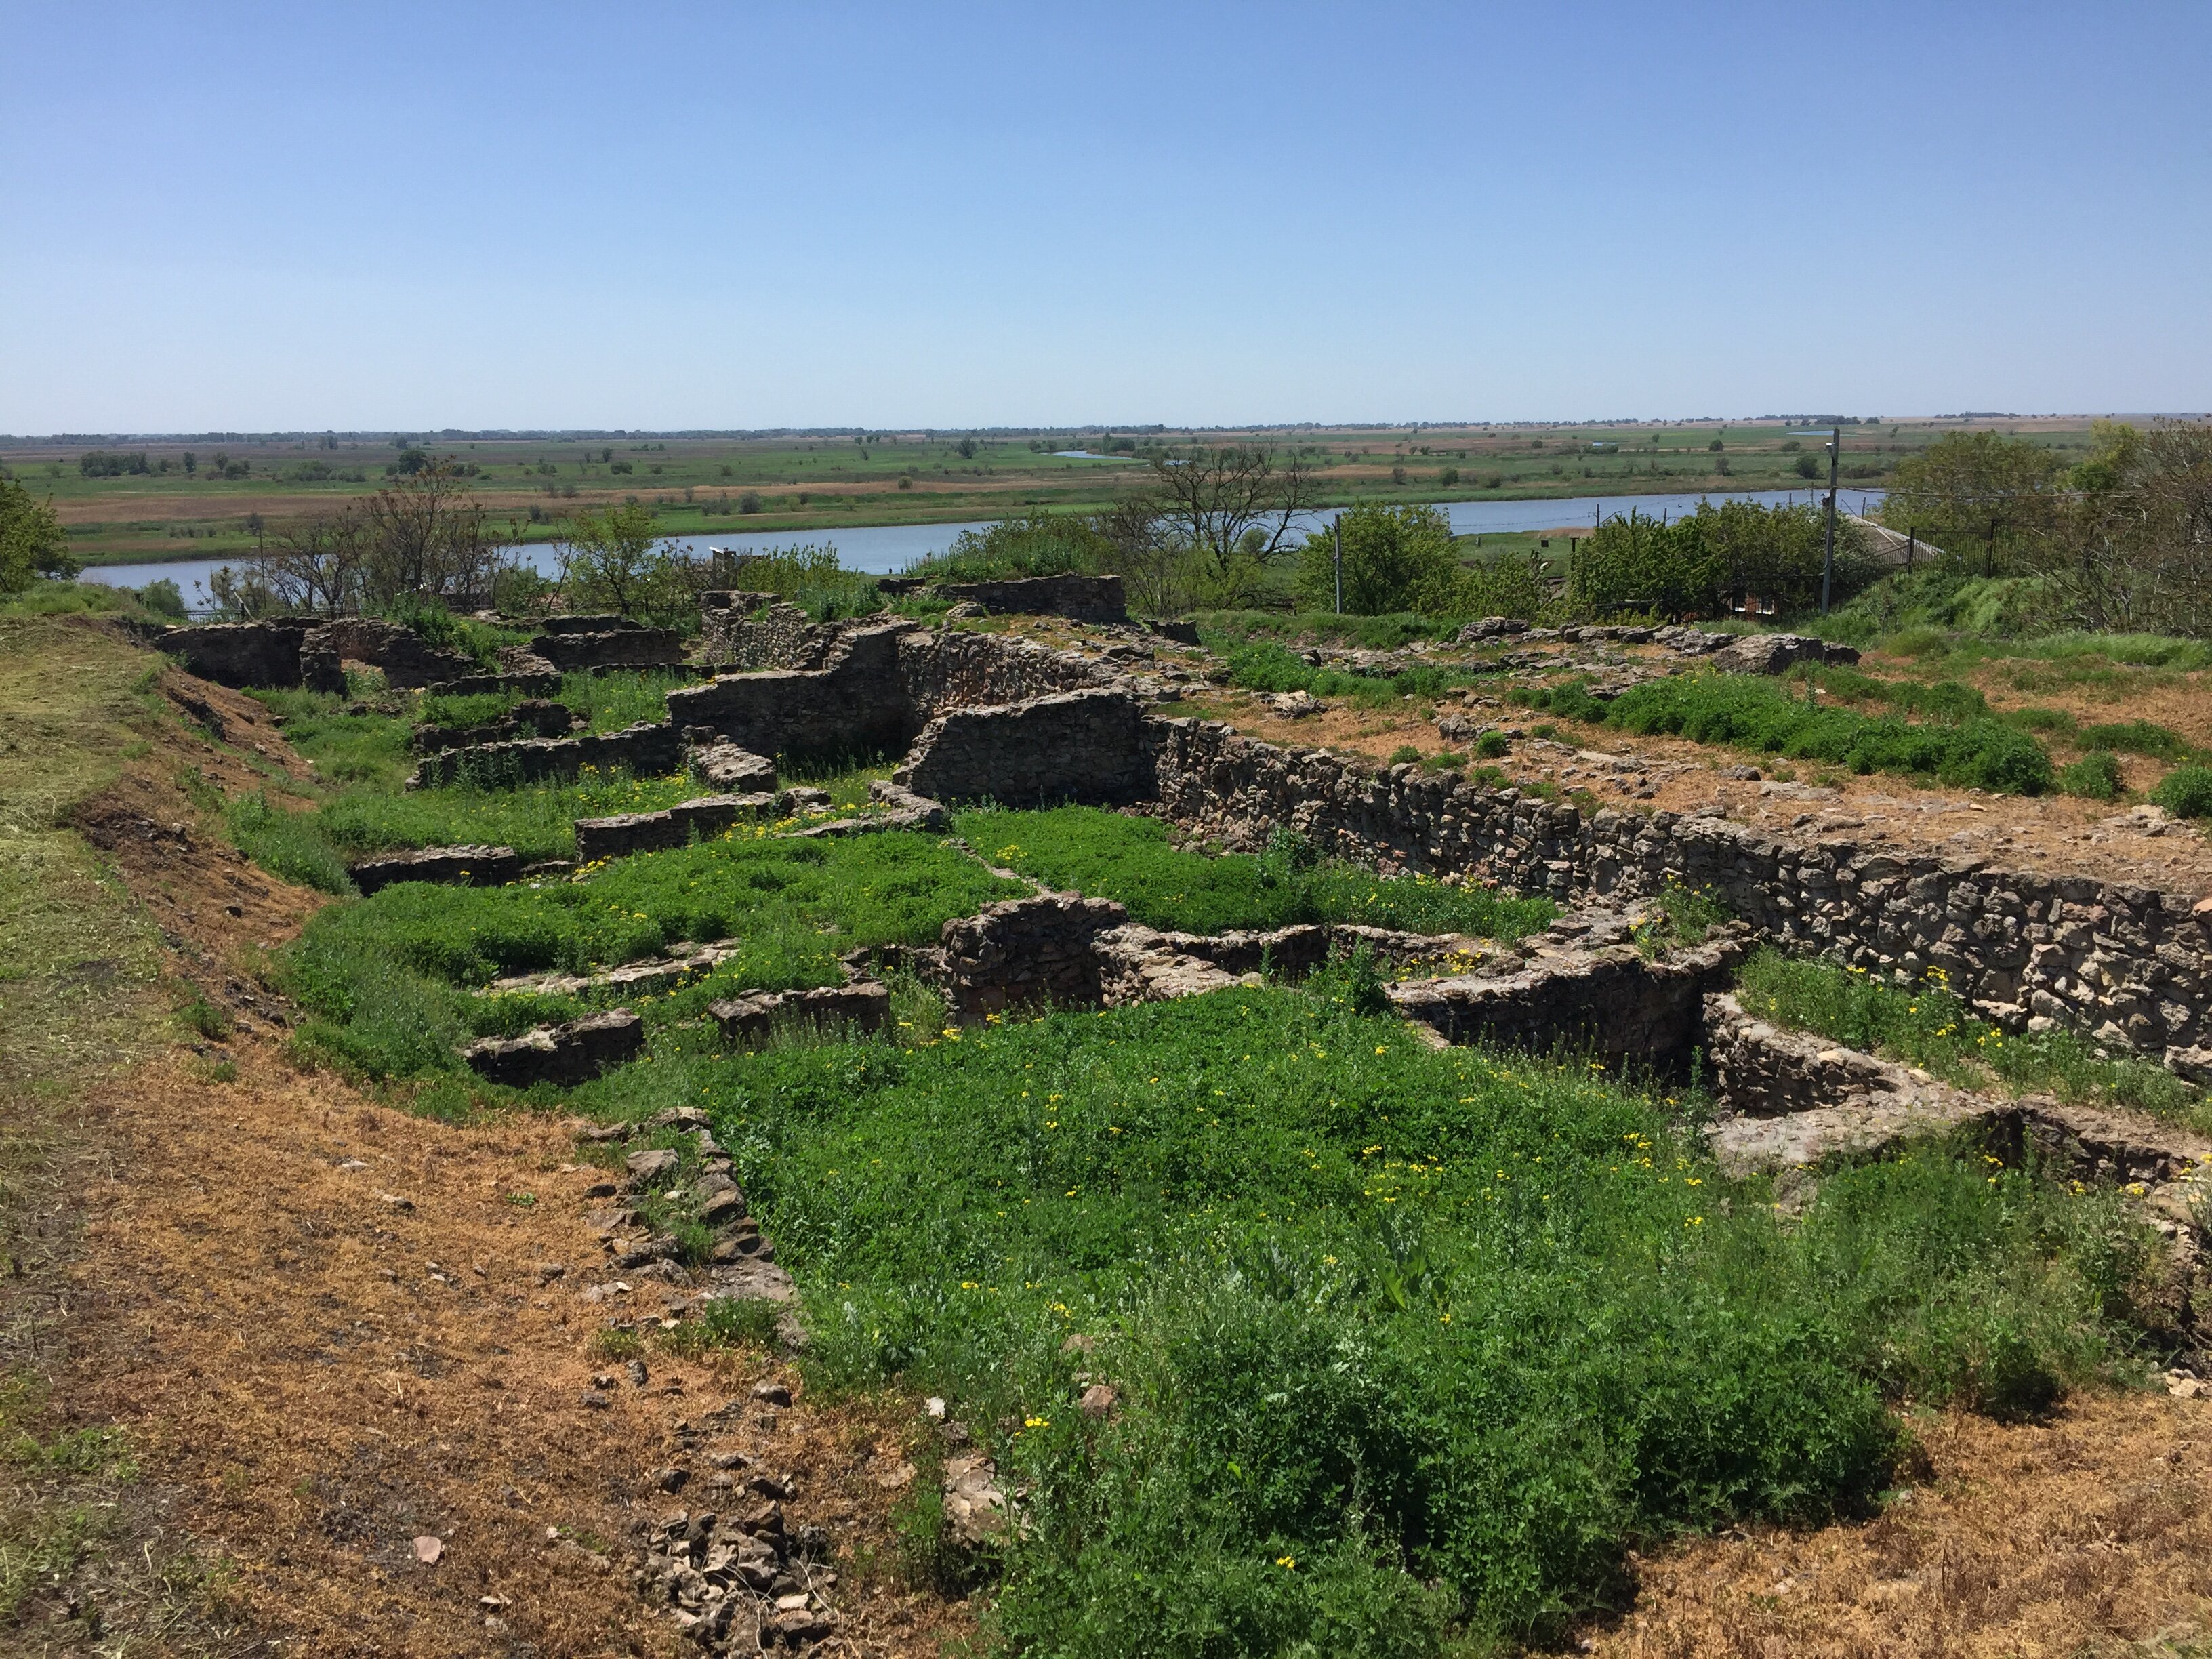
x,y
610,561
1719,558
2126,543
1982,497
33,543
1395,558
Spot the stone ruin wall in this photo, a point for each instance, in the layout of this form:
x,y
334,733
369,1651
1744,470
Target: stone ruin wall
x,y
2128,964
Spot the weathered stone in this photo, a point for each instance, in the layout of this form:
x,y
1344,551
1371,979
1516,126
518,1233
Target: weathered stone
x,y
629,647
406,657
652,1165
448,867
564,1055
241,655
1035,950
863,1005
645,749
1083,599
1776,654
1610,999
1091,746
729,770
975,1506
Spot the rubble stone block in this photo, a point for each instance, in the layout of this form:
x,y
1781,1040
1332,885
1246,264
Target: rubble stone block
x,y
564,1055
448,867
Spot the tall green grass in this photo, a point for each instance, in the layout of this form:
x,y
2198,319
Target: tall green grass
x,y
388,979
1746,713
1132,861
1930,1026
1410,1346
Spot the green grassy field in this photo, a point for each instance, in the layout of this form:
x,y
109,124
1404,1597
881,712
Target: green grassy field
x,y
1408,1349
699,485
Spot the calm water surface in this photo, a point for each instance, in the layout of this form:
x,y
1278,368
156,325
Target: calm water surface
x,y
885,550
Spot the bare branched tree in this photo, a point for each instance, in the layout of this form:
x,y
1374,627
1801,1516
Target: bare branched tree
x,y
1218,499
314,566
426,537
1147,552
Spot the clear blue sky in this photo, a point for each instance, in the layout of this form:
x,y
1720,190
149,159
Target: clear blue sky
x,y
659,215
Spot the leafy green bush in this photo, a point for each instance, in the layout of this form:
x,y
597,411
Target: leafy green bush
x,y
1395,558
2093,777
1747,713
1132,861
1703,562
2138,737
1410,1345
2186,792
1033,545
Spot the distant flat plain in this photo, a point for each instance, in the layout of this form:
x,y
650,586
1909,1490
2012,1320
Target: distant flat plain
x,y
238,486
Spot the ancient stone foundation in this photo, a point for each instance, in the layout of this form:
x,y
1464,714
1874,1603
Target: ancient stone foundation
x,y
563,1054
2127,964
449,867
1091,746
646,750
1081,598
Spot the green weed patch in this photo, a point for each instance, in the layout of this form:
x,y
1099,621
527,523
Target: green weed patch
x,y
1408,1345
1264,665
1930,1026
1132,861
388,979
1741,712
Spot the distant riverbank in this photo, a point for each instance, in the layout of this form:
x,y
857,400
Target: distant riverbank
x,y
885,550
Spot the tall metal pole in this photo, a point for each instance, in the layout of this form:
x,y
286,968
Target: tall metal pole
x,y
1828,553
1337,524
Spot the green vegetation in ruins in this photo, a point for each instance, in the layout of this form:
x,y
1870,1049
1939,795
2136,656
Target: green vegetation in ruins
x,y
388,979
1396,559
1134,862
1264,665
2112,542
1975,751
1928,1024
1407,1346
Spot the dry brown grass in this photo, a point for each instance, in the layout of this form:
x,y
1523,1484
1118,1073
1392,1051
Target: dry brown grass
x,y
2090,1535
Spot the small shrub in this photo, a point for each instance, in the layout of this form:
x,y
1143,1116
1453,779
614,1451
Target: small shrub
x,y
2186,792
2093,777
2138,737
1405,755
1490,745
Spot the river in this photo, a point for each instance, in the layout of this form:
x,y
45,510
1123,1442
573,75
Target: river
x,y
887,549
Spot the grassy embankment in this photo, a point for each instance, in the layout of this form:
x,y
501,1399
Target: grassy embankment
x,y
80,997
702,485
1409,1347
